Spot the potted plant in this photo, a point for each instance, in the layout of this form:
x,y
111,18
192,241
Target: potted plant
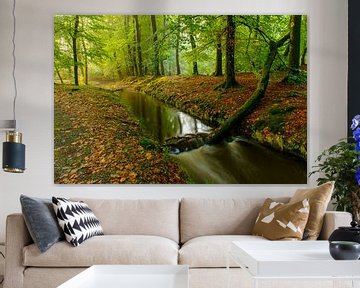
x,y
341,163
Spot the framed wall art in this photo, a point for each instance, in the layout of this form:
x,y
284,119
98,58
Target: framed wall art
x,y
180,99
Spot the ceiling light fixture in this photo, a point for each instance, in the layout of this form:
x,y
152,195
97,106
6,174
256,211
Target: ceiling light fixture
x,y
13,149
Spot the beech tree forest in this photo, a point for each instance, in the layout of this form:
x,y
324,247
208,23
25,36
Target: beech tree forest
x,y
176,99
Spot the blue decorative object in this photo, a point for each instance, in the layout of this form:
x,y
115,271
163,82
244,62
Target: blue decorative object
x,y
356,134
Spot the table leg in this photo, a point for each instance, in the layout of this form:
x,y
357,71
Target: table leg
x,y
228,270
255,283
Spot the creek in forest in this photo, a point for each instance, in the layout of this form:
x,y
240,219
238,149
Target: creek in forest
x,y
237,162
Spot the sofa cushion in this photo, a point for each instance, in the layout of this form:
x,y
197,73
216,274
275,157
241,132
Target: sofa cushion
x,y
158,217
107,249
41,221
200,217
211,251
279,221
319,198
77,220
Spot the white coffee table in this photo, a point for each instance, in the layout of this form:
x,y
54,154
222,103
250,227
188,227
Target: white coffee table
x,y
296,260
131,276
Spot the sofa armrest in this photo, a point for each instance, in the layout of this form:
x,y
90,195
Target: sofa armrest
x,y
17,237
333,220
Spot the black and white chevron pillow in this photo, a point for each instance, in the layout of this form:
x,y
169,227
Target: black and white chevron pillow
x,y
77,220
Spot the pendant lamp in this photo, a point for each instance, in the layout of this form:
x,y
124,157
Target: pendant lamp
x,y
13,160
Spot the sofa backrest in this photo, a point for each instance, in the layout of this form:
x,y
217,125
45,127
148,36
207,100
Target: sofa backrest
x,y
159,217
200,217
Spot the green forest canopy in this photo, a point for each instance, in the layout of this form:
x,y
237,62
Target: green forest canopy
x,y
111,46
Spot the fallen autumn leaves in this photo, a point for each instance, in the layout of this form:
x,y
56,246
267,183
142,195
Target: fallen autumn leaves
x,y
96,141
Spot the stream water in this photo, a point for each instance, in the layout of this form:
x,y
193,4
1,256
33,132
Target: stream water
x,y
238,162
160,120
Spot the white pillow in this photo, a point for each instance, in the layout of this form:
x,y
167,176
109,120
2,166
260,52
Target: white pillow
x,y
76,220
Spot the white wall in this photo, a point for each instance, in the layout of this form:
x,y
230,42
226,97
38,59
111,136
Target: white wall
x,y
327,97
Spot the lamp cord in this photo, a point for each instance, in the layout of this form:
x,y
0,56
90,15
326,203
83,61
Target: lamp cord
x,y
14,60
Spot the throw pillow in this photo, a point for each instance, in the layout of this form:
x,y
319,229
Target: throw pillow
x,y
279,221
319,198
41,222
77,220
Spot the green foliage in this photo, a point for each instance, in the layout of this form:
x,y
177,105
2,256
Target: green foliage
x,y
274,119
148,144
107,43
339,163
298,79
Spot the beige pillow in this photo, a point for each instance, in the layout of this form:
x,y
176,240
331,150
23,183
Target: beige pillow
x,y
279,221
319,198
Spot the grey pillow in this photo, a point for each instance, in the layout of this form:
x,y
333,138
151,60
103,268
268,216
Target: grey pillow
x,y
41,221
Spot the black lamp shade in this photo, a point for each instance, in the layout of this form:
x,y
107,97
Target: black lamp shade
x,y
13,157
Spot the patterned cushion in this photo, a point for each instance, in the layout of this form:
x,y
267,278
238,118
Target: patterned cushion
x,y
77,220
279,221
319,198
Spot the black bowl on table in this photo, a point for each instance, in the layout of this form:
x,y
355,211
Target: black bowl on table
x,y
344,250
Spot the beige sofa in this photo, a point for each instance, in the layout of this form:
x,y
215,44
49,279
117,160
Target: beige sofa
x,y
194,232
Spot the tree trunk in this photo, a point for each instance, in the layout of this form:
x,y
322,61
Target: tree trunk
x,y
193,47
74,48
156,46
58,74
303,56
294,46
136,66
286,52
162,67
177,48
294,49
129,62
138,45
86,69
230,80
218,70
255,98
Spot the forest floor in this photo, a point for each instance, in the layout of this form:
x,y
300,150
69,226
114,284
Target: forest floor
x,y
96,141
280,120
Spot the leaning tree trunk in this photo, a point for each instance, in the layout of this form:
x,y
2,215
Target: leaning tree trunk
x,y
59,75
255,98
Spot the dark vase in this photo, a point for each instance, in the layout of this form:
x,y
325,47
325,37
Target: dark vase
x,y
351,233
344,250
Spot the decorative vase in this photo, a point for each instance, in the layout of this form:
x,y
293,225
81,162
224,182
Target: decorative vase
x,y
344,250
345,233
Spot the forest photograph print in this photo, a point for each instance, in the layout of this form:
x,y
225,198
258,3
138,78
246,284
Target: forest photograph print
x,y
180,99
